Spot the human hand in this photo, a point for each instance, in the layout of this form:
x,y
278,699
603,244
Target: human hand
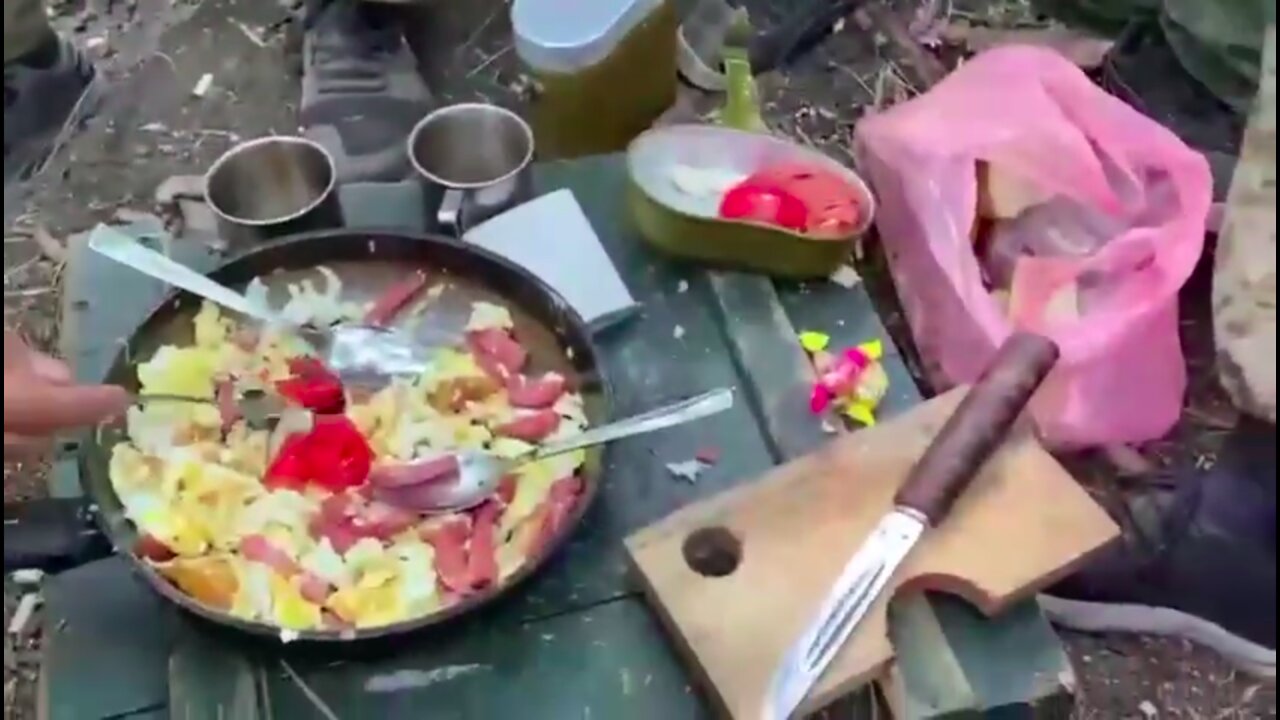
x,y
41,397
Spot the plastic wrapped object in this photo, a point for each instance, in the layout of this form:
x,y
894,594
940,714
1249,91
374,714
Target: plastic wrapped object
x,y
604,70
1051,137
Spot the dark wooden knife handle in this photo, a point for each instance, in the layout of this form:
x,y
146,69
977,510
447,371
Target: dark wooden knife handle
x,y
978,426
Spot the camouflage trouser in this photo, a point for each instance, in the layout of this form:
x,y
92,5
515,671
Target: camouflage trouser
x,y
1219,42
1244,293
25,25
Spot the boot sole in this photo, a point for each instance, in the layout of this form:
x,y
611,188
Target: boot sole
x,y
1141,619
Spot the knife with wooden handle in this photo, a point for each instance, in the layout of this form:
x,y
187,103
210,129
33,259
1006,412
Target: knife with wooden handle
x,y
967,440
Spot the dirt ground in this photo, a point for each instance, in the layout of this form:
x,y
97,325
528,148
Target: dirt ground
x,y
153,127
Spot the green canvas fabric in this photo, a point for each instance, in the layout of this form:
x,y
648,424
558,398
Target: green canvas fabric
x,y
1219,42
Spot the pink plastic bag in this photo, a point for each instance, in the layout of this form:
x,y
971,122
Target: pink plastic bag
x,y
1033,114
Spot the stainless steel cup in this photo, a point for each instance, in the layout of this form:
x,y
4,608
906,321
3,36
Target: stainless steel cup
x,y
273,186
477,159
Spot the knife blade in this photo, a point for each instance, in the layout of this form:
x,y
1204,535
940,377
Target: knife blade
x,y
968,438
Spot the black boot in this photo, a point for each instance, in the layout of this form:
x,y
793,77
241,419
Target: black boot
x,y
1197,561
47,93
361,91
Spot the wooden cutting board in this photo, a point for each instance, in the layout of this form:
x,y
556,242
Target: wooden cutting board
x,y
767,553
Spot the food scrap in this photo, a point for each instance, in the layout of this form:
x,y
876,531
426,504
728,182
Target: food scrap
x,y
854,380
708,455
313,527
689,470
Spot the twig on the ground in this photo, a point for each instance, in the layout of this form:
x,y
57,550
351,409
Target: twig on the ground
x,y
479,30
29,292
254,36
878,96
51,247
856,78
927,68
20,623
803,136
18,270
320,705
491,60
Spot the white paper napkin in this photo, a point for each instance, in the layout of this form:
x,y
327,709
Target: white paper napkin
x,y
552,238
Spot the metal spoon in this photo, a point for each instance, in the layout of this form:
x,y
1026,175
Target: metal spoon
x,y
467,479
352,351
259,409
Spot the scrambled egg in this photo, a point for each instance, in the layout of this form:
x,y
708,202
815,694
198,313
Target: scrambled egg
x,y
487,316
186,371
196,487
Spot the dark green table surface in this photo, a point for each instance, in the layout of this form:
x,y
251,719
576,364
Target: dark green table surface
x,y
577,641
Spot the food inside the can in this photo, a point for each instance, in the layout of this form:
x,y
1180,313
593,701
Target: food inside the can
x,y
794,196
309,531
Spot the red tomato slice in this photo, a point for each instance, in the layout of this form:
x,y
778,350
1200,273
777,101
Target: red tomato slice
x,y
798,197
497,353
312,386
533,427
290,468
543,392
333,455
764,202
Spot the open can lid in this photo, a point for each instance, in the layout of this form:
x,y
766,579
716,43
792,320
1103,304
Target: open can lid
x,y
569,35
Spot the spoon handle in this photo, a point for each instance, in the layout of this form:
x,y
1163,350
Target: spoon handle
x,y
145,398
695,408
129,252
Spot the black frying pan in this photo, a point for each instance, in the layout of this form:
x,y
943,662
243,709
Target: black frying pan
x,y
367,262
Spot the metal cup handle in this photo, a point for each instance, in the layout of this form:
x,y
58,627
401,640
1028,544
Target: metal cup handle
x,y
452,215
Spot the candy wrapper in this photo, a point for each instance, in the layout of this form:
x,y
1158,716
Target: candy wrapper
x,y
853,380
